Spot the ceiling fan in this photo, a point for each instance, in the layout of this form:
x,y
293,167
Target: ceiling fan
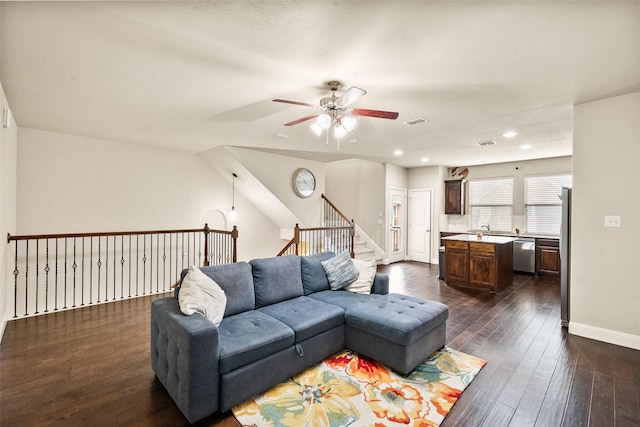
x,y
335,109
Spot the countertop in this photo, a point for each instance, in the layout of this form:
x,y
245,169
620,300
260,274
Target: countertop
x,y
498,240
503,234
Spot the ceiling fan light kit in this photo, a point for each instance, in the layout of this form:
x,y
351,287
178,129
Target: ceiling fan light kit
x,y
336,114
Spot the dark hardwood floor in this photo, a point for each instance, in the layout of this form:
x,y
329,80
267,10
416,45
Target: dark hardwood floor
x,y
91,367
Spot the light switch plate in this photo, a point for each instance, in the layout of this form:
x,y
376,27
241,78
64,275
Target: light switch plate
x,y
612,221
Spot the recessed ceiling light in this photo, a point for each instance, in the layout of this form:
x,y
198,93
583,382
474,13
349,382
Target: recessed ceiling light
x,y
510,134
424,160
526,147
282,135
397,153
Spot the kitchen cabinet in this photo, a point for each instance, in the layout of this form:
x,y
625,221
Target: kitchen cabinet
x,y
547,257
485,263
454,197
482,265
457,264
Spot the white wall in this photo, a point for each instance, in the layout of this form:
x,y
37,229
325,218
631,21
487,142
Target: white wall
x,y
357,188
516,170
275,172
605,288
8,183
71,183
431,177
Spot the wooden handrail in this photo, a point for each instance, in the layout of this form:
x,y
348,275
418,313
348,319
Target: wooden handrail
x,y
338,211
117,233
68,270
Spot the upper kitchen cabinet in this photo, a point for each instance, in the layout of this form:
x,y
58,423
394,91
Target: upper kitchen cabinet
x,y
454,197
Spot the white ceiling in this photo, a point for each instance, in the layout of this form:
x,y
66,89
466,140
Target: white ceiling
x,y
196,75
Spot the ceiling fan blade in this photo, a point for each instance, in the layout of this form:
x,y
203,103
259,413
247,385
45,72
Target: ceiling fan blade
x,y
374,113
350,96
303,119
296,103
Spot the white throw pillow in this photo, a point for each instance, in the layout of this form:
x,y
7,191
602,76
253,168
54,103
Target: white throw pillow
x,y
364,282
201,294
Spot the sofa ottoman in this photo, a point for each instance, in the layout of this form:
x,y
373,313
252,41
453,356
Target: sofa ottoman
x,y
397,330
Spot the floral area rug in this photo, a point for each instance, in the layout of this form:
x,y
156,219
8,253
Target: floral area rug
x,y
351,390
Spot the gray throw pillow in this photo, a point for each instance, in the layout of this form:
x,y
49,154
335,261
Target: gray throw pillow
x,y
340,271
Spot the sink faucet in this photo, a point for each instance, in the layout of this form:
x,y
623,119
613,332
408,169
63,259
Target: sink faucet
x,y
487,226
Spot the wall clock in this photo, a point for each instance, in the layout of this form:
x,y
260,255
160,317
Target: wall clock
x,y
304,183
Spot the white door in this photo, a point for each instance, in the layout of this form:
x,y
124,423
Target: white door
x,y
397,230
420,225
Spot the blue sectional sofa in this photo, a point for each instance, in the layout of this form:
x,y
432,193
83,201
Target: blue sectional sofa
x,y
282,317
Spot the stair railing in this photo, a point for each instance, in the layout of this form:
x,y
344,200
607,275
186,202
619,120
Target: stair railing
x,y
55,272
336,235
309,241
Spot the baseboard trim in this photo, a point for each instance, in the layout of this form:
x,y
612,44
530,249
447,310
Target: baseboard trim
x,y
3,326
605,335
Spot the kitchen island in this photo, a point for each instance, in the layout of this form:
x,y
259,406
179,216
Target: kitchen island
x,y
479,262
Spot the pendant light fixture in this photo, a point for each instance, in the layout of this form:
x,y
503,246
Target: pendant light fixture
x,y
233,215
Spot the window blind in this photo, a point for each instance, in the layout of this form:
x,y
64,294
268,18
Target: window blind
x,y
543,207
491,202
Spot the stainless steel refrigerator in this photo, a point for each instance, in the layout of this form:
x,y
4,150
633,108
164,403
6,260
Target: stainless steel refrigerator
x,y
565,257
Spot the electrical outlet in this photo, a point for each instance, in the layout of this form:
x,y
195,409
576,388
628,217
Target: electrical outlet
x,y
612,221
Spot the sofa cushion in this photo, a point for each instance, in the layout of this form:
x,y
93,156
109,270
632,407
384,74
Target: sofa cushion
x,y
367,272
276,279
307,317
251,336
313,277
398,318
237,283
201,294
342,298
340,270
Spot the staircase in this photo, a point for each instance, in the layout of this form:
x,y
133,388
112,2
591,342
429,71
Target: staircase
x,y
362,250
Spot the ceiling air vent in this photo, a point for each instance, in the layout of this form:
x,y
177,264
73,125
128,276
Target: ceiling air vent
x,y
415,121
486,143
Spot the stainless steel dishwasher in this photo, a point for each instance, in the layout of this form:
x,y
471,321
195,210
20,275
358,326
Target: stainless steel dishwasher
x,y
524,255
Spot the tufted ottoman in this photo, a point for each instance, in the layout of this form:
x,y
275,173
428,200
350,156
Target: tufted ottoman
x,y
397,330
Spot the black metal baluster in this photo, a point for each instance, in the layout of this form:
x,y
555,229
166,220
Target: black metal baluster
x,y
137,261
151,263
129,265
74,266
65,274
56,280
37,271
99,266
106,269
82,280
144,264
158,263
46,278
164,258
91,271
16,272
121,267
26,280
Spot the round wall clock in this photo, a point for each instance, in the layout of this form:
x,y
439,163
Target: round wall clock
x,y
304,183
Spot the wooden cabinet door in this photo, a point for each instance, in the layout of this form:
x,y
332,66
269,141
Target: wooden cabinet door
x,y
547,256
453,197
457,262
482,269
548,260
457,269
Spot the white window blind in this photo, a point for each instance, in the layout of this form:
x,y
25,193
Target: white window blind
x,y
491,202
542,204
